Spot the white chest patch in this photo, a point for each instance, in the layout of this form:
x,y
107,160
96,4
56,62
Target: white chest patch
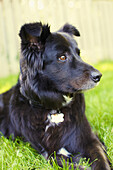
x,y
57,118
54,118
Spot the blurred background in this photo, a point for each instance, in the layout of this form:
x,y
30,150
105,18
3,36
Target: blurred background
x,y
93,18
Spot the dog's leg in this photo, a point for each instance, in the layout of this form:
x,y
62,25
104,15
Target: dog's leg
x,y
62,161
40,149
97,156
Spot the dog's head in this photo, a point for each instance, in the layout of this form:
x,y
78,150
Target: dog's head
x,y
51,65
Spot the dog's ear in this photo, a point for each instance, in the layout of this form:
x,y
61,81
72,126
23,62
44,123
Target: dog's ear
x,y
34,33
70,29
33,37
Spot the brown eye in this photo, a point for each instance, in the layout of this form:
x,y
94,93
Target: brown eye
x,y
62,58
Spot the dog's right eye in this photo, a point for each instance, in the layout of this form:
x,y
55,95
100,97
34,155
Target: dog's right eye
x,y
62,58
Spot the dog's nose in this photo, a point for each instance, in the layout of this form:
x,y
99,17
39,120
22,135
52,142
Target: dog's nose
x,y
95,76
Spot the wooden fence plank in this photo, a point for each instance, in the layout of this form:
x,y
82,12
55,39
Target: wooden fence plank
x,y
4,63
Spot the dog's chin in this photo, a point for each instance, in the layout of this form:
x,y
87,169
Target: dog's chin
x,y
87,87
72,91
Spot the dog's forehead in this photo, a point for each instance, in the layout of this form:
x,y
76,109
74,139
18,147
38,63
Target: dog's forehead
x,y
61,39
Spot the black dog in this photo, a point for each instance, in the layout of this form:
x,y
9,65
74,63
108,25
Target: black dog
x,y
51,71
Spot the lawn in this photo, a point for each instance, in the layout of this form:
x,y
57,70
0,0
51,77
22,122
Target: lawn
x,y
99,109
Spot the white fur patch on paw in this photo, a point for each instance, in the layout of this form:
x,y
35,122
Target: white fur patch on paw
x,y
64,152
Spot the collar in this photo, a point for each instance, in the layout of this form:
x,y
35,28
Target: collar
x,y
35,103
67,100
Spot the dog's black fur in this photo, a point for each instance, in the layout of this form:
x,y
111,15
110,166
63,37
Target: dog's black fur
x,y
50,70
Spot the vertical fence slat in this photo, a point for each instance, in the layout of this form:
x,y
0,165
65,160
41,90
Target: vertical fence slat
x,y
4,63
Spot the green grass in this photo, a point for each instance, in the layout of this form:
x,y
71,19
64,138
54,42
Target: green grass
x,y
99,109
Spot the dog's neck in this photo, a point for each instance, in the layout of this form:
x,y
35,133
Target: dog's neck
x,y
49,103
67,100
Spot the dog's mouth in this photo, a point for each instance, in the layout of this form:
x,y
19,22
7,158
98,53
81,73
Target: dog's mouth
x,y
68,97
89,82
70,91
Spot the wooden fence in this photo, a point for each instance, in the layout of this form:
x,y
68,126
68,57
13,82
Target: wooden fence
x,y
93,18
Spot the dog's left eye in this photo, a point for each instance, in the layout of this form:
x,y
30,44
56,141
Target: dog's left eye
x,y
62,58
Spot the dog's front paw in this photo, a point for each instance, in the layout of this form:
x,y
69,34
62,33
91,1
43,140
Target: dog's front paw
x,y
79,167
45,154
